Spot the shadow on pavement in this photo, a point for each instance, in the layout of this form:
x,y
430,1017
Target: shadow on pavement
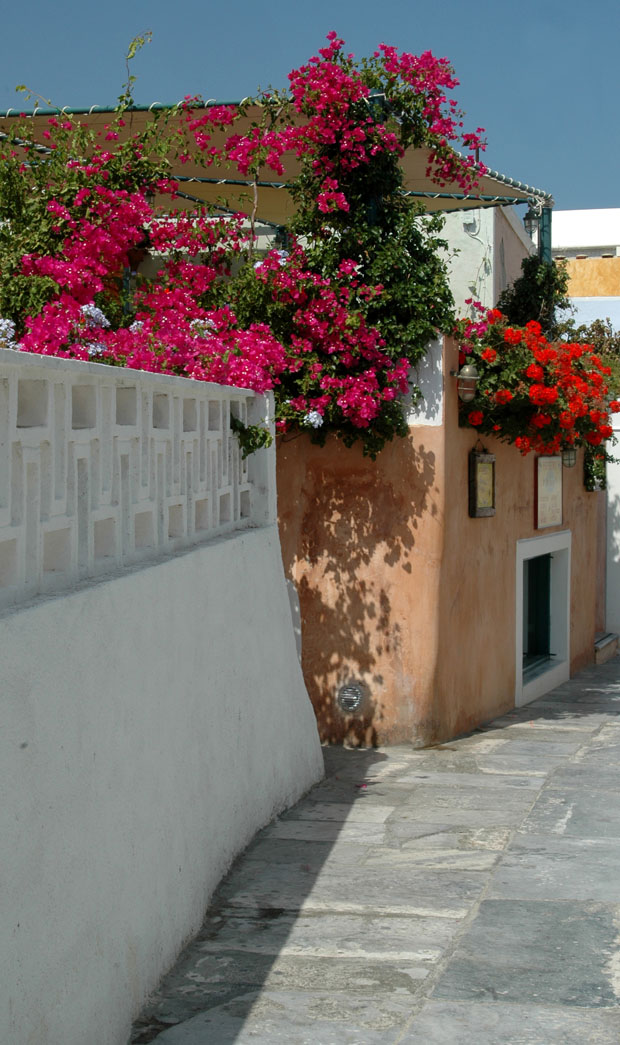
x,y
269,889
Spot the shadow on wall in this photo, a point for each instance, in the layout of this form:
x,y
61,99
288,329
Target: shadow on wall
x,y
350,528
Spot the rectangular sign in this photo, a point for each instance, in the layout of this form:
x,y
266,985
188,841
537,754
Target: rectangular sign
x,y
481,484
548,492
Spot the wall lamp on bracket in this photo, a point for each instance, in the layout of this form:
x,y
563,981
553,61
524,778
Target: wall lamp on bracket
x,y
467,379
531,223
569,458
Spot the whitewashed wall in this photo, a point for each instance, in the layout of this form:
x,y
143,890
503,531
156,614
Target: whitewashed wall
x,y
153,711
485,247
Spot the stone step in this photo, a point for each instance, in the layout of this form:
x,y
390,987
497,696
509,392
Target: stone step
x,y
605,647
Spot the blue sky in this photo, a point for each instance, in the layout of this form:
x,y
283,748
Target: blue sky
x,y
541,77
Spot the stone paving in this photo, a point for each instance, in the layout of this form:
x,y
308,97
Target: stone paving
x,y
467,894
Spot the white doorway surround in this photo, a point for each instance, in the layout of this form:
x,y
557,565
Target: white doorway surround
x,y
553,668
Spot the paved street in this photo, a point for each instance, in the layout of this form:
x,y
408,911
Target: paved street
x,y
467,894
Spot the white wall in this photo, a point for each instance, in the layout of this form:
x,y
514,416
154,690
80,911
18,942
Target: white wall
x,y
512,245
152,721
470,236
598,227
488,245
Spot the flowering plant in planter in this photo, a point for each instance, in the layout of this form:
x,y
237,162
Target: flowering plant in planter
x,y
542,396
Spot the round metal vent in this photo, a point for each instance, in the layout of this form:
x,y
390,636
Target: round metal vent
x,y
350,697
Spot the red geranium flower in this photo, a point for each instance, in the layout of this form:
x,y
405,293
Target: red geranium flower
x,y
512,336
541,394
476,417
504,395
489,355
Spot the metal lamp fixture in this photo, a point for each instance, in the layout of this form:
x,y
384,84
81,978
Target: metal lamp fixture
x,y
531,223
466,381
569,458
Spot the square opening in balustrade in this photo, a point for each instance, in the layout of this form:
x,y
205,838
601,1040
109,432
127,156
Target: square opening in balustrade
x,y
202,515
8,563
215,415
32,399
57,551
105,539
225,508
144,530
126,406
176,522
83,406
161,411
190,415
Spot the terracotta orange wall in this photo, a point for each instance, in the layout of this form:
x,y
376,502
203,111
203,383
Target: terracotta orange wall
x,y
400,590
363,542
593,277
476,673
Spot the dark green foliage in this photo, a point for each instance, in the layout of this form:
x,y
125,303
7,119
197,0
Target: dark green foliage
x,y
539,293
595,470
250,437
605,339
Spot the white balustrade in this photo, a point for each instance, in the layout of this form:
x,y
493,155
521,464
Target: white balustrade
x,y
103,467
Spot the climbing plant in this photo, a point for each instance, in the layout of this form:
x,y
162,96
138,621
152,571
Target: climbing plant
x,y
331,321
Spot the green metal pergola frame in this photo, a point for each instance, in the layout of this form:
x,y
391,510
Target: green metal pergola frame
x,y
275,205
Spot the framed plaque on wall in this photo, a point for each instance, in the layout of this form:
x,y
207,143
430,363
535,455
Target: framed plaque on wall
x,y
481,484
548,492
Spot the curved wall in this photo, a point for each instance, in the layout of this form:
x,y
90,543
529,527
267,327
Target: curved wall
x,y
153,711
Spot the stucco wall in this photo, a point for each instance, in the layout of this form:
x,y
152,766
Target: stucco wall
x,y
612,622
401,591
363,543
486,248
511,245
476,671
593,277
153,710
151,724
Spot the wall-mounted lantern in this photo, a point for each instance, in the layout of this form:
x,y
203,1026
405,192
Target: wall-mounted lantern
x,y
537,224
531,223
569,458
466,381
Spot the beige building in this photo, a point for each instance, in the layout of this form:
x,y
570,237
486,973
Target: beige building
x,y
588,241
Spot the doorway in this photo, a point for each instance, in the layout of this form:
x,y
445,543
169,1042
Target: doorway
x,y
543,615
536,616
